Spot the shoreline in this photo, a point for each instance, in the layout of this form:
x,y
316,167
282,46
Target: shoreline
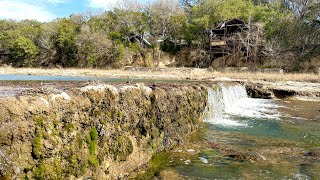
x,y
259,85
163,73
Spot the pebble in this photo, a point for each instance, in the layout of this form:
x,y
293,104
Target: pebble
x,y
204,160
62,95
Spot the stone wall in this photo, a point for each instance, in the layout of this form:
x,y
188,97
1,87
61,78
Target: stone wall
x,y
97,132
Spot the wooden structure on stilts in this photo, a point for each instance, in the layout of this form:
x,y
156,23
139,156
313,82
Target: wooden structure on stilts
x,y
236,41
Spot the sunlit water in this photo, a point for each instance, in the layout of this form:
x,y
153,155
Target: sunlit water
x,y
281,139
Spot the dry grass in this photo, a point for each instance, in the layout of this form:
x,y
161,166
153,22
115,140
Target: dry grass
x,y
171,73
273,76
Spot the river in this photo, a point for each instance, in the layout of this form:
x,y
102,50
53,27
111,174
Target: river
x,y
252,139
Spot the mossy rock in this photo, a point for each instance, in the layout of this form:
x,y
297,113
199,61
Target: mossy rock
x,y
37,145
39,172
120,147
95,127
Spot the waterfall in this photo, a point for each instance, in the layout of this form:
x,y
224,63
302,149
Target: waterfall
x,y
215,105
230,100
232,94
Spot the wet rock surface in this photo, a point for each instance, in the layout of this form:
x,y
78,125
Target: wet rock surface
x,y
283,90
98,133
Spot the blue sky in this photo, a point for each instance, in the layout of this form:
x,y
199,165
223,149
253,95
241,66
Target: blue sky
x,y
46,10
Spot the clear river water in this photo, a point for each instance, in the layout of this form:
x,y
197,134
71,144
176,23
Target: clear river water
x,y
252,139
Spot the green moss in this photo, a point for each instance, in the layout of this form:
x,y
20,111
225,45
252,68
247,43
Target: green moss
x,y
92,147
56,123
37,146
69,127
58,167
120,114
93,160
83,168
94,134
79,141
97,113
104,122
39,172
92,138
88,138
114,115
74,161
109,114
120,147
109,95
52,169
157,163
38,120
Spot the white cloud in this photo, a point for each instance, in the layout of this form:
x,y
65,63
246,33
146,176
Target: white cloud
x,y
17,10
105,4
57,1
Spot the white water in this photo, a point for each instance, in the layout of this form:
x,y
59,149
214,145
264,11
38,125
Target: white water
x,y
231,100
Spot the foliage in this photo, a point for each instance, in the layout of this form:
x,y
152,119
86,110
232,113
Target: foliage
x,y
108,39
23,49
65,42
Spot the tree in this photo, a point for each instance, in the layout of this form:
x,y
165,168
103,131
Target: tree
x,y
12,30
303,8
94,49
161,12
65,42
23,50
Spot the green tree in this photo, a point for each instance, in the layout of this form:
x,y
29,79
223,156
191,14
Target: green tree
x,y
65,42
23,51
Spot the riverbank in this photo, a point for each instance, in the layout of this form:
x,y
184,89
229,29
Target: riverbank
x,y
259,85
164,73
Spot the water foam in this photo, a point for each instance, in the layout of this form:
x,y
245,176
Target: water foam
x,y
230,100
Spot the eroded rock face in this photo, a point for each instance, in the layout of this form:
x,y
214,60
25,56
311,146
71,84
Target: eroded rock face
x,y
283,90
102,132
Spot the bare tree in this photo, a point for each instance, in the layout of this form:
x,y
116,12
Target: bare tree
x,y
302,8
160,13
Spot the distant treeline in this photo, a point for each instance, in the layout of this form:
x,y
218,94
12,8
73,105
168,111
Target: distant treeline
x,y
107,39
